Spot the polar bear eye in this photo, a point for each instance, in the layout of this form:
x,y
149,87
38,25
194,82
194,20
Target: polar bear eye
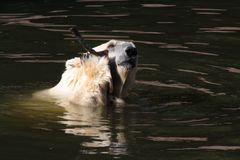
x,y
111,45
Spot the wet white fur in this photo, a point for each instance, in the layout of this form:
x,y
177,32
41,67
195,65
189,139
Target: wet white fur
x,y
85,82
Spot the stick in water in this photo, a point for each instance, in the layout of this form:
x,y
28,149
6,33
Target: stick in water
x,y
85,45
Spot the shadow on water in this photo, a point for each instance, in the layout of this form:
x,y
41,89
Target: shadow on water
x,y
185,104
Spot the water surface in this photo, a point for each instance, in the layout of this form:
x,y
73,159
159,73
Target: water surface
x,y
185,104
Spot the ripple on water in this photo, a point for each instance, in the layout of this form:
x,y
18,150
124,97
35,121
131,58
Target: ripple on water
x,y
147,68
101,0
136,32
193,52
97,39
56,30
58,11
10,17
41,61
24,55
149,42
94,6
166,22
68,31
229,69
191,71
31,57
27,20
208,82
99,36
210,148
208,13
157,5
174,103
220,29
209,9
150,67
197,43
12,14
177,139
231,108
192,120
179,86
173,46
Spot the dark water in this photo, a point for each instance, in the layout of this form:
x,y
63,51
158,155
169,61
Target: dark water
x,y
185,104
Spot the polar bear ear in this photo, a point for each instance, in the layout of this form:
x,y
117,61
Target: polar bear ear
x,y
105,46
111,44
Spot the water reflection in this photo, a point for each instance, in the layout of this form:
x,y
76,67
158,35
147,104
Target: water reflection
x,y
93,122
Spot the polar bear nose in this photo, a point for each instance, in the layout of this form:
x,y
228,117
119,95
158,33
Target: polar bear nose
x,y
131,51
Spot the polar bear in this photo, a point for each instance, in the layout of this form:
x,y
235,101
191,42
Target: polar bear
x,y
92,80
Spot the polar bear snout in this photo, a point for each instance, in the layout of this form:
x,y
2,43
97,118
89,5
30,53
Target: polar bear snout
x,y
131,51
